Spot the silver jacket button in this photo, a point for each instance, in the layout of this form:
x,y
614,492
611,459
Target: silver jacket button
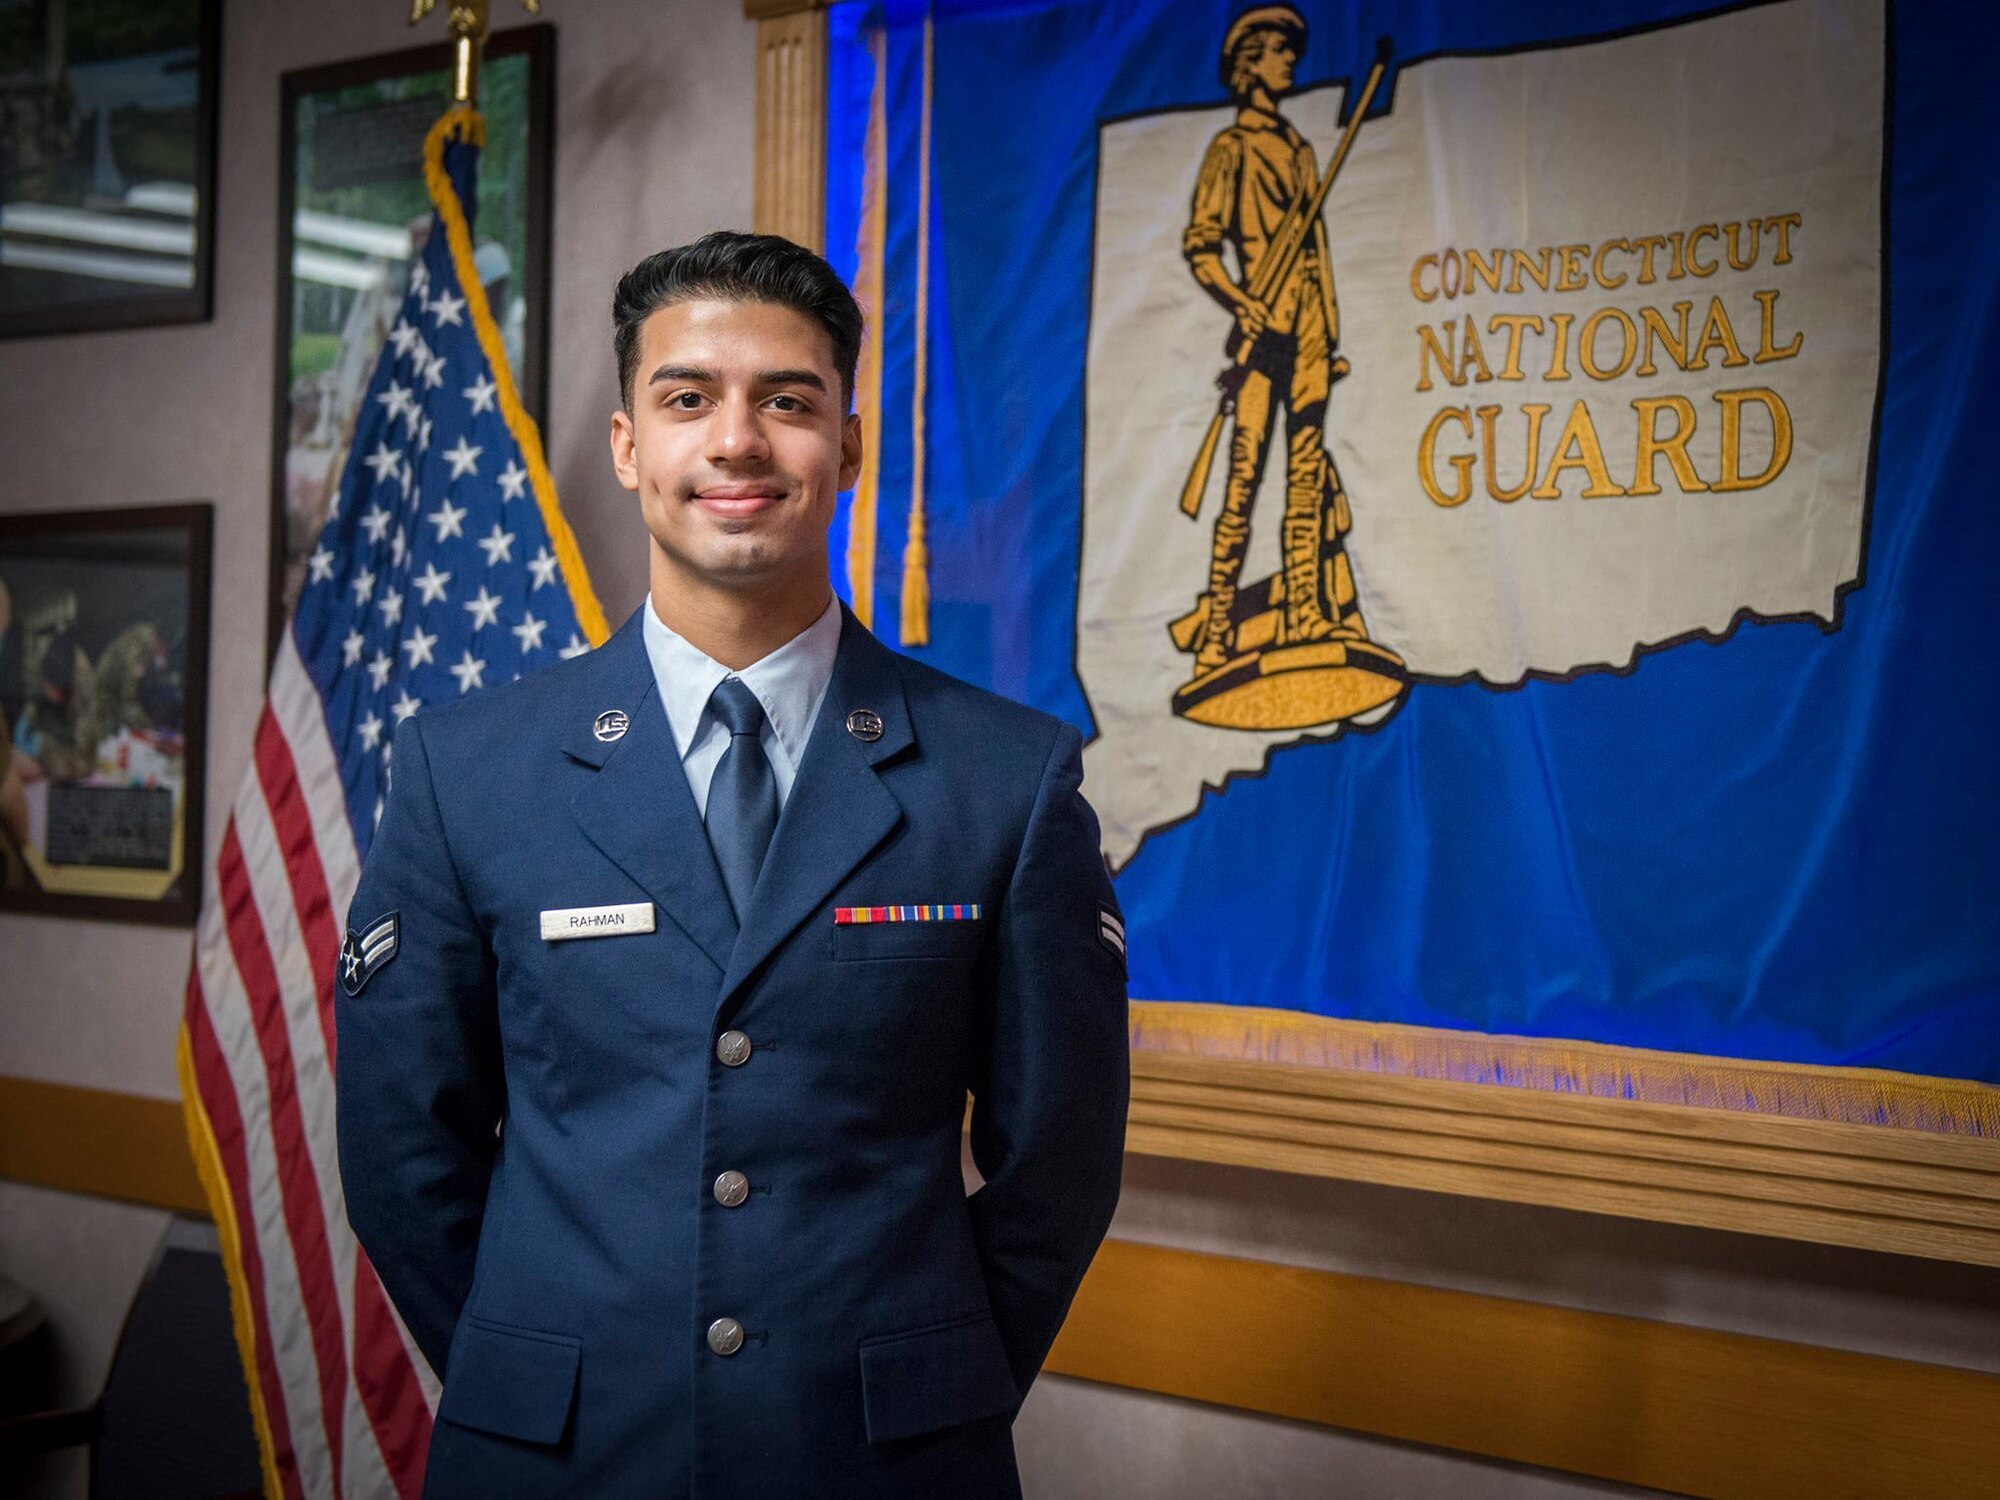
x,y
732,1049
725,1335
731,1188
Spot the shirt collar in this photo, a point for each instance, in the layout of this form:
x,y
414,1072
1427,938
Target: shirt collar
x,y
789,682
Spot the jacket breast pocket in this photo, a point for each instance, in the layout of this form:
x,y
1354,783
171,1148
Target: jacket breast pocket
x,y
514,1382
859,942
935,1377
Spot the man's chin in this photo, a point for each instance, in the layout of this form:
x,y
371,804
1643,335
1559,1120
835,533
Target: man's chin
x,y
751,566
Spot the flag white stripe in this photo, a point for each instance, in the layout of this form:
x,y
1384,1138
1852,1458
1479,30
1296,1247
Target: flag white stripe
x,y
296,705
363,1471
284,1305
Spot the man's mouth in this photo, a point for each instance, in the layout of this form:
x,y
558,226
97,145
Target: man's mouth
x,y
734,502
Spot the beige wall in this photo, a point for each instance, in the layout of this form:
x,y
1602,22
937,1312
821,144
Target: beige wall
x,y
653,119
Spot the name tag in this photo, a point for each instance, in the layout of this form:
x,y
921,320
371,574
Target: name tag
x,y
596,921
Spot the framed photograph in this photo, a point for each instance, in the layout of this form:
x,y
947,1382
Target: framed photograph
x,y
353,215
104,689
107,163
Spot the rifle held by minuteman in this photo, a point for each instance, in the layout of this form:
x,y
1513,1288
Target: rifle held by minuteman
x,y
1277,265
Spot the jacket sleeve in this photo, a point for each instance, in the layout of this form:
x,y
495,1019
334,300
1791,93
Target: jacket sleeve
x,y
418,1083
1051,1081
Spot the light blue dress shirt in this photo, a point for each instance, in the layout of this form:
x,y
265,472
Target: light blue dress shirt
x,y
789,683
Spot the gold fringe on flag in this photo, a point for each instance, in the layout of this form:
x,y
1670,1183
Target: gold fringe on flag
x,y
1800,1091
215,1187
916,620
869,286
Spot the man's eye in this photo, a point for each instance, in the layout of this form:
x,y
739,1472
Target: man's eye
x,y
788,403
684,400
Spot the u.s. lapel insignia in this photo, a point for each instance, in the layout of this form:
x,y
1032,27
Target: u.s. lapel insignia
x,y
611,725
865,725
362,953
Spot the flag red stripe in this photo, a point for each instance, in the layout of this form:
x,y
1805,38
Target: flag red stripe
x,y
383,1375
218,1101
298,1185
292,822
388,1383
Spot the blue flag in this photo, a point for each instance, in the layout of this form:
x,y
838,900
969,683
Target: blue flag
x,y
1497,485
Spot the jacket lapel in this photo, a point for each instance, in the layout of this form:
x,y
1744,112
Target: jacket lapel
x,y
838,810
638,808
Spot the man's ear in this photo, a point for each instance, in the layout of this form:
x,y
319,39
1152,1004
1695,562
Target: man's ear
x,y
624,449
850,451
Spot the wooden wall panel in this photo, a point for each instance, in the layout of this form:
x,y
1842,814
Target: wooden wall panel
x,y
1688,1410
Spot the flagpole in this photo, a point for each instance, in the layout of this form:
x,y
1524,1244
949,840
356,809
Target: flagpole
x,y
467,22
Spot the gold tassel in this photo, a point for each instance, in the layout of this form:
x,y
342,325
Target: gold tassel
x,y
916,583
868,291
916,621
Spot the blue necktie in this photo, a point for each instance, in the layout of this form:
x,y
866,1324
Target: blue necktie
x,y
743,797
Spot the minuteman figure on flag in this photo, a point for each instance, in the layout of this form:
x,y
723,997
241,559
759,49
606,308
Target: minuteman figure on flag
x,y
1259,192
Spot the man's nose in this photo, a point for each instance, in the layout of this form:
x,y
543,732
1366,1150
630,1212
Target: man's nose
x,y
736,435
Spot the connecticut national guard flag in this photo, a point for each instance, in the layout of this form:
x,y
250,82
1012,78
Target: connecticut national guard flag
x,y
1502,488
445,567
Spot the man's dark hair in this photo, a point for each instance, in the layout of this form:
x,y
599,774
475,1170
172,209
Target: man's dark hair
x,y
733,267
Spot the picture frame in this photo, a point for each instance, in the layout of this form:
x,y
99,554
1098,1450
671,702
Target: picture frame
x,y
107,164
104,618
351,209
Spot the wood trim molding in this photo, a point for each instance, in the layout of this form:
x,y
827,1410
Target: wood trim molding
x,y
1908,1191
95,1141
789,192
1688,1410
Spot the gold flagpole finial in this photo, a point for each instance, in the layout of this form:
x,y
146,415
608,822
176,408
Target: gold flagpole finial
x,y
466,20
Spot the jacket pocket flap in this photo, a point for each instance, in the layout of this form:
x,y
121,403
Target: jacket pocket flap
x,y
857,942
935,1377
515,1382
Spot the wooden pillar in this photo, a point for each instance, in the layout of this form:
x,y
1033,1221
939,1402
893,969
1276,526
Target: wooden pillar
x,y
790,195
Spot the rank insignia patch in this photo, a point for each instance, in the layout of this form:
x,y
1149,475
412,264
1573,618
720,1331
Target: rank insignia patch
x,y
362,953
1111,932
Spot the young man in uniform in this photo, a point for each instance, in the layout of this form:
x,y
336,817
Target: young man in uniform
x,y
650,1123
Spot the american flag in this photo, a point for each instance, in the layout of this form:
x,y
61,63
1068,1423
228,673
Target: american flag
x,y
444,567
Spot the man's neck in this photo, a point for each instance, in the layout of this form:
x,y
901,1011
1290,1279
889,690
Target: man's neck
x,y
737,627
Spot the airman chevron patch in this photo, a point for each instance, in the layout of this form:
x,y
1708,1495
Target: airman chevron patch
x,y
1112,931
362,953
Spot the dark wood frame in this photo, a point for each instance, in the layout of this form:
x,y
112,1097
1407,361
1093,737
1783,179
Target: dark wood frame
x,y
538,44
195,304
197,520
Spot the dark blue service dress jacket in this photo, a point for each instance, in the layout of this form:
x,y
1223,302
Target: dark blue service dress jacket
x,y
532,1130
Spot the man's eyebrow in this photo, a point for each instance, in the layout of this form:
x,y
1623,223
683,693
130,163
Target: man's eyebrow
x,y
681,372
791,377
700,376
